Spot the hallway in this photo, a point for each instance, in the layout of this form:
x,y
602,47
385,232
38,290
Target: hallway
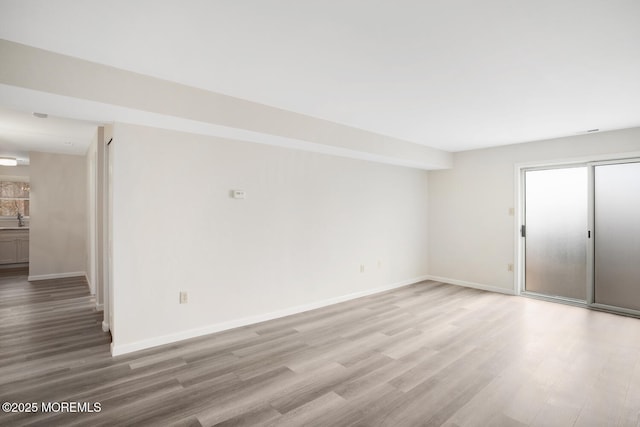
x,y
49,330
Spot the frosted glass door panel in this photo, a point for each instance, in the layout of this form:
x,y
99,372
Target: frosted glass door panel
x,y
556,232
617,235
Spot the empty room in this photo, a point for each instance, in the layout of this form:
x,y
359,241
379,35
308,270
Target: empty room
x,y
320,213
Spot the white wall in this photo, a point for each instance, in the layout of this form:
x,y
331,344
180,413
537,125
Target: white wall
x,y
57,242
471,235
17,173
105,210
91,171
307,224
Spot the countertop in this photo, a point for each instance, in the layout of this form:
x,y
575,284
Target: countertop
x,y
14,228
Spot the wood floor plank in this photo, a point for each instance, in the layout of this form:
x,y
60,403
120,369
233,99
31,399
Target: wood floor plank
x,y
429,354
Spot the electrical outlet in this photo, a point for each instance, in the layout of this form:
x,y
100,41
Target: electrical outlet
x,y
238,194
379,264
183,297
361,268
509,267
511,212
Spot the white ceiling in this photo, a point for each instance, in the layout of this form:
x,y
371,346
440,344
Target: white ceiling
x,y
21,132
453,75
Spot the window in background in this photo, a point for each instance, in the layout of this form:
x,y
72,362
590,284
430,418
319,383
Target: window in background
x,y
14,198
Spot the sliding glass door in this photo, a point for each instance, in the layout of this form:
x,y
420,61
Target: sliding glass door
x,y
617,235
581,234
556,231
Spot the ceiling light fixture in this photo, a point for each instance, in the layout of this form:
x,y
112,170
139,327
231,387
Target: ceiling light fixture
x,y
8,161
40,115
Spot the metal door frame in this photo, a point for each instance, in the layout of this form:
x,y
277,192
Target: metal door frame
x,y
519,219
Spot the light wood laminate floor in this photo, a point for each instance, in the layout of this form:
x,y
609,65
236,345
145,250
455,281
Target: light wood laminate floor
x,y
424,355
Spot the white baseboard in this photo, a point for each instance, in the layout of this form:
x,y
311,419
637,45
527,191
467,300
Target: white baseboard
x,y
16,265
91,288
117,350
105,328
57,276
472,285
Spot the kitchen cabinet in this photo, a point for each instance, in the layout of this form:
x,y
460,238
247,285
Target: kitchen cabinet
x,y
14,245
